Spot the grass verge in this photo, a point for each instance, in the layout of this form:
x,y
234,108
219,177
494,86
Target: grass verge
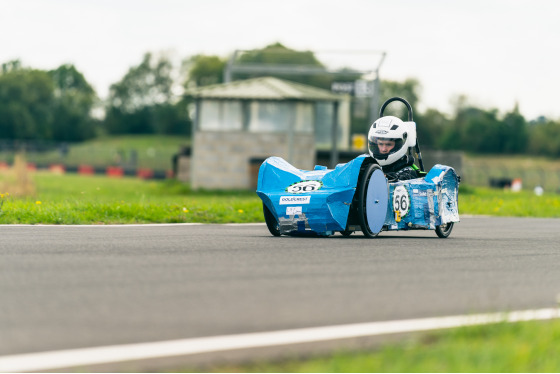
x,y
496,202
76,199
519,347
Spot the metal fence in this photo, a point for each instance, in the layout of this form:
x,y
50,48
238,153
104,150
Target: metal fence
x,y
43,154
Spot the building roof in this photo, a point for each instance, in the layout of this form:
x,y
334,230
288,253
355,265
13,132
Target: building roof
x,y
264,88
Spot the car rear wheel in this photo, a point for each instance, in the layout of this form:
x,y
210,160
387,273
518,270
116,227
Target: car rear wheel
x,y
271,221
443,231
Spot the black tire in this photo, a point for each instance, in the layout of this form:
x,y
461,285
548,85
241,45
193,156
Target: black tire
x,y
443,231
362,198
346,233
271,221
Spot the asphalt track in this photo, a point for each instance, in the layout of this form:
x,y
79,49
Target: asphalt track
x,y
65,287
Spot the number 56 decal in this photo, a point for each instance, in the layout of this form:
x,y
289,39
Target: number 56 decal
x,y
401,201
304,187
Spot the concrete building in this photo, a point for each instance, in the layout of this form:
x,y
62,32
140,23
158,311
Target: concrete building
x,y
239,124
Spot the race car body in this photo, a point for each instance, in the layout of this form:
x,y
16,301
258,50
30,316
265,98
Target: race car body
x,y
349,198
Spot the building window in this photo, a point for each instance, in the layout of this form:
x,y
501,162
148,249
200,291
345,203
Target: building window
x,y
276,116
217,115
323,129
304,118
270,116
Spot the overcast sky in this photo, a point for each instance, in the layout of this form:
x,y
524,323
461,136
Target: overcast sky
x,y
497,52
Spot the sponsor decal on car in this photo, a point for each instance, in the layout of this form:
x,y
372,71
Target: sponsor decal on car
x,y
292,200
294,210
304,187
420,192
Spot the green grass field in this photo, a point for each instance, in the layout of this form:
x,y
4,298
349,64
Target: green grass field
x,y
76,199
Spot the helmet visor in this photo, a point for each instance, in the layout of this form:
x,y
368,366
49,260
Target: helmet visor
x,y
381,148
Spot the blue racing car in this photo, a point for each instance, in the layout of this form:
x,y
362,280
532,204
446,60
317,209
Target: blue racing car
x,y
359,195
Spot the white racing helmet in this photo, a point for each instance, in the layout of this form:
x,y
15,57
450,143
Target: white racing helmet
x,y
391,128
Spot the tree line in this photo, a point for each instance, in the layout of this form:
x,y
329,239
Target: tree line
x,y
61,105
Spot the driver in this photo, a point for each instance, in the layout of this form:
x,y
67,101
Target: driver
x,y
388,141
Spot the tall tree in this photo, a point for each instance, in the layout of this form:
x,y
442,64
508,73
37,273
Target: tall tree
x,y
431,125
204,70
485,131
11,66
26,100
74,99
544,138
517,130
144,85
143,101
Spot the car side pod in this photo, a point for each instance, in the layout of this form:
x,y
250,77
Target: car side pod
x,y
429,203
309,202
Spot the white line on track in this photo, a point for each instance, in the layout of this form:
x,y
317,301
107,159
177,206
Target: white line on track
x,y
118,353
140,225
